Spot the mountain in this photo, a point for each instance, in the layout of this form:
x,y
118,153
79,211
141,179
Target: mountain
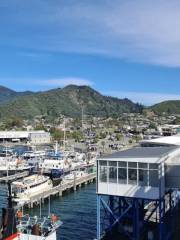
x,y
170,107
67,101
7,94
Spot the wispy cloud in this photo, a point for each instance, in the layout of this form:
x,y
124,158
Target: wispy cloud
x,y
61,82
145,98
138,30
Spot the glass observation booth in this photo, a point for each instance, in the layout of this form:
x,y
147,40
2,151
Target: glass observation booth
x,y
138,175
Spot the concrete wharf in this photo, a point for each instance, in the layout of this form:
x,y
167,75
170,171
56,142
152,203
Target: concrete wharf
x,y
58,190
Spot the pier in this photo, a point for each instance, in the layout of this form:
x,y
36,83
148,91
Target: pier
x,y
58,190
13,177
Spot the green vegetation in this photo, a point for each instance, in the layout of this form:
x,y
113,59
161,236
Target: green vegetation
x,y
67,101
176,121
136,138
169,107
102,135
77,136
57,134
119,137
7,94
11,123
40,126
152,125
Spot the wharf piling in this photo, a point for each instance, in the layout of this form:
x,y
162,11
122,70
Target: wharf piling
x,y
58,190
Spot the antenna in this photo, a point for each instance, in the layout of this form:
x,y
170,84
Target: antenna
x,y
64,133
49,206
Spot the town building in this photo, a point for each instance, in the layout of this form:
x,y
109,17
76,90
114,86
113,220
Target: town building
x,y
33,137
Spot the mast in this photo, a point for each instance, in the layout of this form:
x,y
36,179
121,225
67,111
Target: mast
x,y
82,117
9,195
56,148
7,162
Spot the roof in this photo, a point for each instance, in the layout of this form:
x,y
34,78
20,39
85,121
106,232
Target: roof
x,y
170,140
141,152
19,134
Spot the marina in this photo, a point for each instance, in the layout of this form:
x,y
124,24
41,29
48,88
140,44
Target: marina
x,y
76,209
89,120
58,190
28,189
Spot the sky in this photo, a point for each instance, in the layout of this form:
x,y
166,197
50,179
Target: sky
x,y
122,48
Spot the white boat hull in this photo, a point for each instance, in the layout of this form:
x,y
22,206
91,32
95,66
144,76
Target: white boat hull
x,y
52,236
21,236
40,184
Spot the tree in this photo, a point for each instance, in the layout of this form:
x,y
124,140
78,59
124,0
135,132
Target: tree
x,y
77,136
119,137
40,126
13,122
152,125
137,138
57,134
102,135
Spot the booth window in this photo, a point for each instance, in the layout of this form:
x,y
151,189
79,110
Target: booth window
x,y
103,171
122,175
143,177
113,174
153,178
132,176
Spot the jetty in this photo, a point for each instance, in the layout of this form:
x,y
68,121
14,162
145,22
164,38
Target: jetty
x,y
58,190
10,178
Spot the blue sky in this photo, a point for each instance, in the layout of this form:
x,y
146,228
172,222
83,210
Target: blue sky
x,y
122,48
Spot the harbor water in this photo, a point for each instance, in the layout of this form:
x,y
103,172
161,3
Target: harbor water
x,y
77,210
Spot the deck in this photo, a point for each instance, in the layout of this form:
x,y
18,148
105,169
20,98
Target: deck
x,y
59,190
14,177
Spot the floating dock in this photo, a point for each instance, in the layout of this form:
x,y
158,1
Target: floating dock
x,y
58,190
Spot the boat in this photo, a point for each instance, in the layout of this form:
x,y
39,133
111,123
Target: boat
x,y
74,175
23,190
33,154
6,152
18,226
12,165
62,165
75,156
30,228
55,168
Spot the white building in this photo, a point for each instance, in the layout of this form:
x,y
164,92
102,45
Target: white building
x,y
39,137
162,141
34,137
141,172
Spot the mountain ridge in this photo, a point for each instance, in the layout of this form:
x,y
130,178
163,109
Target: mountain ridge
x,y
7,94
169,106
67,101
